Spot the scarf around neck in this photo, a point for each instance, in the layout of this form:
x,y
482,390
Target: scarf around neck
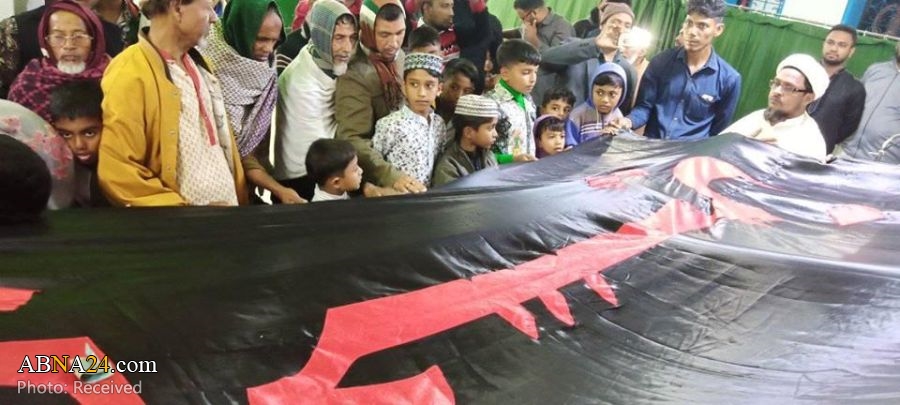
x,y
246,83
34,85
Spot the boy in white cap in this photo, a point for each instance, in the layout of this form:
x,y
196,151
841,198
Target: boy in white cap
x,y
410,138
799,81
475,121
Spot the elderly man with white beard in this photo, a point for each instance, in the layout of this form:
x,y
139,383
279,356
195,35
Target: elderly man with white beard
x,y
73,44
305,110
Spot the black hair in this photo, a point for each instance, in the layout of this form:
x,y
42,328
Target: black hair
x,y
25,182
152,8
845,28
389,12
461,122
528,5
424,36
517,51
81,98
558,93
549,124
714,9
461,66
608,79
328,158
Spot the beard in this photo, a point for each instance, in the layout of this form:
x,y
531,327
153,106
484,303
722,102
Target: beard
x,y
71,68
339,68
774,116
837,62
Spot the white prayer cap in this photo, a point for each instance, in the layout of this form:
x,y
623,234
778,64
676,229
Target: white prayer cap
x,y
811,68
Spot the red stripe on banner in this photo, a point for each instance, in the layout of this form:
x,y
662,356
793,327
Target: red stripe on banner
x,y
13,298
356,330
844,215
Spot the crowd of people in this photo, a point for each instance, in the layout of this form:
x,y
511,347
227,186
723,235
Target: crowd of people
x,y
383,97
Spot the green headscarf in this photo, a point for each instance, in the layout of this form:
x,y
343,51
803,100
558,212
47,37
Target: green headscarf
x,y
241,21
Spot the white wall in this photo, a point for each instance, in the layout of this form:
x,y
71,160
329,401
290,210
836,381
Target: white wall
x,y
828,12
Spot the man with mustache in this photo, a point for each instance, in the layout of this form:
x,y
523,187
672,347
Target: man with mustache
x,y
241,46
19,41
838,112
371,90
306,109
799,81
72,42
878,135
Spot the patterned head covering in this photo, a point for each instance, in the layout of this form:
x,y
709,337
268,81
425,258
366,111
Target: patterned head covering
x,y
241,22
321,22
473,105
433,64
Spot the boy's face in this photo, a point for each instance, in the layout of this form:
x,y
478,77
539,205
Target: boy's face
x,y
553,142
520,76
458,86
606,98
82,134
421,89
558,108
434,49
486,135
351,179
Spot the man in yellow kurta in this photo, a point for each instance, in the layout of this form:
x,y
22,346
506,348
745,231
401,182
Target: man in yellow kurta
x,y
166,136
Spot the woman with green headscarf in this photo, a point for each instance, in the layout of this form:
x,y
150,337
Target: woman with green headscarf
x,y
241,50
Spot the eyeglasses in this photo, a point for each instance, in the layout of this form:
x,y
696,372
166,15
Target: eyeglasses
x,y
77,39
787,88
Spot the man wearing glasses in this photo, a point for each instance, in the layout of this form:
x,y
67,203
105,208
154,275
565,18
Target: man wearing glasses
x,y
73,43
799,81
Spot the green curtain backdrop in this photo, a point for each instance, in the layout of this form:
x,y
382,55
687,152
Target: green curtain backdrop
x,y
752,43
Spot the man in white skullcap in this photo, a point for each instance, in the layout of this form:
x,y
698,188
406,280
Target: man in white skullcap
x,y
799,81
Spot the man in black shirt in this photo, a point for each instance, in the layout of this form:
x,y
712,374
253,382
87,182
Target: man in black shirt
x,y
838,112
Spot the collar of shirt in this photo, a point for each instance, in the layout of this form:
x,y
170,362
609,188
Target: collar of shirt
x,y
712,63
410,114
322,195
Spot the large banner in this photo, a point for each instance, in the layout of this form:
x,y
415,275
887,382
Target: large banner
x,y
721,271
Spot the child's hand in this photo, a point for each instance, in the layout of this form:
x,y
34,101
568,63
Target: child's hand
x,y
406,184
524,158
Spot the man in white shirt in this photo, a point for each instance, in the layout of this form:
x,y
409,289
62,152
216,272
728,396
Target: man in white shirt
x,y
799,81
306,110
